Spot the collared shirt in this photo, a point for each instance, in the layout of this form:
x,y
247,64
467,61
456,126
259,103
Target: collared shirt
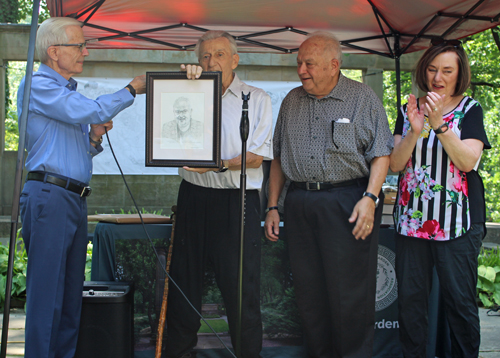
x,y
332,139
260,116
57,134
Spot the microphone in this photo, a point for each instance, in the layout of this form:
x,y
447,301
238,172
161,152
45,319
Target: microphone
x,y
244,124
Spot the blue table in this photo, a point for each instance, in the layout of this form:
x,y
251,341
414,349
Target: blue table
x,y
105,235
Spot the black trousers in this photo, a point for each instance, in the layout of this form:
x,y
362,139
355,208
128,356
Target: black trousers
x,y
334,274
456,267
207,230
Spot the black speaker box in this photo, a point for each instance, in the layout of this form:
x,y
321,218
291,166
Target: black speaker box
x,y
107,323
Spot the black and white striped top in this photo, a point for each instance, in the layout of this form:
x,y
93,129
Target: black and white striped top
x,y
436,201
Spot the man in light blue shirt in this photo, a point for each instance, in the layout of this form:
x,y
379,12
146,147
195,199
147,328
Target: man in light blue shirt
x,y
53,202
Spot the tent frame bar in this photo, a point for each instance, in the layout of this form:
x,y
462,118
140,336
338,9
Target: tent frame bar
x,y
394,53
23,123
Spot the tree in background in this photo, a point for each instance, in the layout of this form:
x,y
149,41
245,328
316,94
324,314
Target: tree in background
x,y
484,51
16,11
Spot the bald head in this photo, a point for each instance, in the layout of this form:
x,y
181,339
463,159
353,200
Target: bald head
x,y
318,63
327,43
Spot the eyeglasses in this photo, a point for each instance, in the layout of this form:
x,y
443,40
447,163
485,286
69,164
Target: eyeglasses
x,y
81,46
443,42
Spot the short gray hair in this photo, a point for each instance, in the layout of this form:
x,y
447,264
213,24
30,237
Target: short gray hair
x,y
331,41
212,35
53,31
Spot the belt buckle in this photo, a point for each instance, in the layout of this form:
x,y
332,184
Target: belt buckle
x,y
315,185
85,191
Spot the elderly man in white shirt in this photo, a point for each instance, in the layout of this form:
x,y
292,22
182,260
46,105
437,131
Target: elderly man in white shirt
x,y
207,228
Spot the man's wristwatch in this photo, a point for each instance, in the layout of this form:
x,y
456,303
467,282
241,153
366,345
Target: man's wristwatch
x,y
224,165
440,129
373,197
96,142
271,208
131,89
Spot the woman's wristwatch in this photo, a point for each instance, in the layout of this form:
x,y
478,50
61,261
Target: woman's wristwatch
x,y
440,130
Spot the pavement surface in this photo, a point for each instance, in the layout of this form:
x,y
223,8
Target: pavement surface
x,y
490,335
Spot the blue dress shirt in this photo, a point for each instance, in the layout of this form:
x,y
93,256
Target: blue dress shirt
x,y
57,134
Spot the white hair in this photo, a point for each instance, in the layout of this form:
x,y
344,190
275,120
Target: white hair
x,y
212,35
51,32
331,41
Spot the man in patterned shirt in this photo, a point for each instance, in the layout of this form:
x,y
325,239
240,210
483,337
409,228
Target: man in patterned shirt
x,y
332,141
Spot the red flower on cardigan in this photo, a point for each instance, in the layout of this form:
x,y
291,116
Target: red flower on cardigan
x,y
430,230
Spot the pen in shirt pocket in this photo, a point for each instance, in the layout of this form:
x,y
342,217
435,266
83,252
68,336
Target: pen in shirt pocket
x,y
333,134
340,120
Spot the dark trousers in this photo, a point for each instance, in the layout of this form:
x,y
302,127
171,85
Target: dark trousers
x,y
456,267
207,231
55,234
334,274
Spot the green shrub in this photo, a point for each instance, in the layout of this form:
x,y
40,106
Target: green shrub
x,y
488,283
19,270
281,318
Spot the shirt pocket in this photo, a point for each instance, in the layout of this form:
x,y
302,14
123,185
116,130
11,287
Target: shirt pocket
x,y
343,137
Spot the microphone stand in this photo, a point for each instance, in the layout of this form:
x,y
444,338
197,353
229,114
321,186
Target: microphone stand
x,y
244,129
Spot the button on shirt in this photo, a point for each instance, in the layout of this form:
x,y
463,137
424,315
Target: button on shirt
x,y
259,137
332,139
57,134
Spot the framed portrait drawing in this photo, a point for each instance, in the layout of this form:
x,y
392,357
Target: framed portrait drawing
x,y
183,120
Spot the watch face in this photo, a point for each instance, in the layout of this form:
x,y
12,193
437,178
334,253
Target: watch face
x,y
442,128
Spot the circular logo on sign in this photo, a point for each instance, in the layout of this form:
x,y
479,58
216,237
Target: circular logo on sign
x,y
387,286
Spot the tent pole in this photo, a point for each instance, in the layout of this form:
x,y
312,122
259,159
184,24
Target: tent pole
x,y
398,82
19,173
398,69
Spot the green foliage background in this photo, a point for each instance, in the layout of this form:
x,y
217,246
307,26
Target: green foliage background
x,y
16,11
488,283
19,270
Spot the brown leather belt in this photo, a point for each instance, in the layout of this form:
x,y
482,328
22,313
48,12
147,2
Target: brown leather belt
x,y
62,181
325,186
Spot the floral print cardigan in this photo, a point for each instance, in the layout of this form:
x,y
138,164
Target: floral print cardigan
x,y
433,195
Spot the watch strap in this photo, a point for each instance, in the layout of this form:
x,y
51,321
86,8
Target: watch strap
x,y
131,89
439,130
373,197
96,142
271,208
222,168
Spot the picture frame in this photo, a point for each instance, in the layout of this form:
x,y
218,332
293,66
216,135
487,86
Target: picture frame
x,y
183,120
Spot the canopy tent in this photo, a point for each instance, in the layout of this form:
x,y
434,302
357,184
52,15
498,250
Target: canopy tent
x,y
388,28
385,27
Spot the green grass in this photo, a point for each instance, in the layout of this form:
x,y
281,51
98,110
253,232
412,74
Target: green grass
x,y
219,325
